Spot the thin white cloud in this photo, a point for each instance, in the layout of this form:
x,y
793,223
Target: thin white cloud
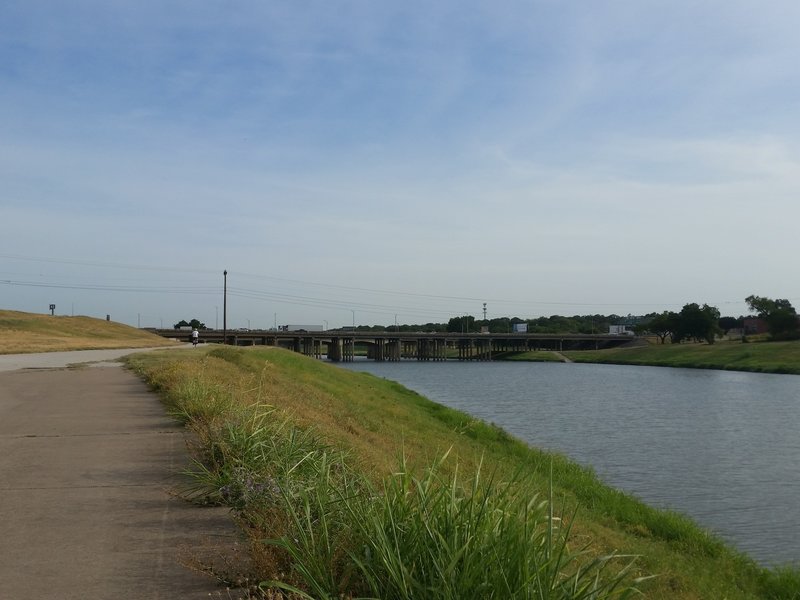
x,y
536,150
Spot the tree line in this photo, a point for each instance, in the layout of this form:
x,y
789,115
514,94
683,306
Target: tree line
x,y
692,322
703,323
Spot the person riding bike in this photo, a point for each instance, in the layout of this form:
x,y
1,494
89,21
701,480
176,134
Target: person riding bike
x,y
195,337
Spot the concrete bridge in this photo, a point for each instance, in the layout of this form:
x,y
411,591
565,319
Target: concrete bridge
x,y
339,345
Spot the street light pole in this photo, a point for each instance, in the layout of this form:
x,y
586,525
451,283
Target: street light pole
x,y
225,307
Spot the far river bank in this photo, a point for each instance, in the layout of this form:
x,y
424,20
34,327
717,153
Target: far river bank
x,y
755,357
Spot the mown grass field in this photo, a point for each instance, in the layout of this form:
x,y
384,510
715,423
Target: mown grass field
x,y
762,357
384,428
22,332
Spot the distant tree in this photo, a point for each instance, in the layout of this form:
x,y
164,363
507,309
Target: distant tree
x,y
500,325
596,323
194,324
698,322
415,327
780,316
728,323
553,324
663,325
465,324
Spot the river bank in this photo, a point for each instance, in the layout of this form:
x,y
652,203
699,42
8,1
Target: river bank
x,y
714,445
758,357
374,421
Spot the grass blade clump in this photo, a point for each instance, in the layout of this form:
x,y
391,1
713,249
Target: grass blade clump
x,y
436,538
432,537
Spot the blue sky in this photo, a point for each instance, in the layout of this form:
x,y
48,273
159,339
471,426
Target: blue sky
x,y
360,160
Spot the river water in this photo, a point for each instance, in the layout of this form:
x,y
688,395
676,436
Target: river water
x,y
722,447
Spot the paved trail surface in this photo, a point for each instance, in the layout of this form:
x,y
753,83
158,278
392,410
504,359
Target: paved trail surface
x,y
87,460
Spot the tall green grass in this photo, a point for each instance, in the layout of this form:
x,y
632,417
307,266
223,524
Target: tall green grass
x,y
326,531
324,522
439,538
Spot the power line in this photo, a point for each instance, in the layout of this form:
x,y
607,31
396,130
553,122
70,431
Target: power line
x,y
114,288
310,301
107,265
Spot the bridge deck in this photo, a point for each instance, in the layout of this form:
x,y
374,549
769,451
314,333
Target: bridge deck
x,y
393,345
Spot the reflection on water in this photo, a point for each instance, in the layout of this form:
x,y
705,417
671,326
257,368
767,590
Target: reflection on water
x,y
720,446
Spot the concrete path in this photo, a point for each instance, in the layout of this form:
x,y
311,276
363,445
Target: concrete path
x,y
56,360
87,460
562,357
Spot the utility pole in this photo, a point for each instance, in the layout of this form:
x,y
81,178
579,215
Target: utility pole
x,y
225,307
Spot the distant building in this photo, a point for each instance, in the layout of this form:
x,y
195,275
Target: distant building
x,y
755,325
620,330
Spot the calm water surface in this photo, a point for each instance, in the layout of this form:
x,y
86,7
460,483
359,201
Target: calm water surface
x,y
720,446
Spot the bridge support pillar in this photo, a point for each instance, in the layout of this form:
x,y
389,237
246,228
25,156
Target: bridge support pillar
x,y
466,349
335,350
348,349
482,350
422,349
441,350
394,350
379,350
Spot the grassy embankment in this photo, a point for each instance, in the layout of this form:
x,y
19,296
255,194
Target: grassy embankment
x,y
318,463
762,357
22,332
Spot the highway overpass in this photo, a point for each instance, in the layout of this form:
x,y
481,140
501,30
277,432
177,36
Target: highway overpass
x,y
343,345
